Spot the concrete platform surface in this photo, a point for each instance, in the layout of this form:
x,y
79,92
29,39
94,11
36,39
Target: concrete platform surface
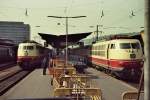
x,y
112,89
35,85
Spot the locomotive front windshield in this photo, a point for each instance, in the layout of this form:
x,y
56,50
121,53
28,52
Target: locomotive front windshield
x,y
129,45
28,47
135,45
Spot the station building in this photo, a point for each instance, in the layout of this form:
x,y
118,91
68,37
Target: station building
x,y
15,31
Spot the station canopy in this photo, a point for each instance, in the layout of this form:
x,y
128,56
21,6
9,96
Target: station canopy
x,y
59,41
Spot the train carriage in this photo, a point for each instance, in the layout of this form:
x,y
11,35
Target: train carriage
x,y
78,57
7,51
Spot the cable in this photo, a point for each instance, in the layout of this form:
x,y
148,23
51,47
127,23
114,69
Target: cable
x,y
70,5
126,18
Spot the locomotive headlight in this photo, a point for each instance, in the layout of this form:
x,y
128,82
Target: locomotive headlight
x,y
121,63
119,68
141,63
26,53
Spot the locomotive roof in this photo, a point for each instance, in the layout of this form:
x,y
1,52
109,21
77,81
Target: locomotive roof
x,y
130,40
31,43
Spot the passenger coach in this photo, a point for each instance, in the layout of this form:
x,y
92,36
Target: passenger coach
x,y
8,51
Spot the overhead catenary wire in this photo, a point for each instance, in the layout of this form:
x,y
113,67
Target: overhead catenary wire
x,y
71,5
125,18
26,12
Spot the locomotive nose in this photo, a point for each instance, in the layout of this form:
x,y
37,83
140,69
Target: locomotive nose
x,y
26,53
131,51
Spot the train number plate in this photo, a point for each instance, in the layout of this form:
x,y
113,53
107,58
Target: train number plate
x,y
132,56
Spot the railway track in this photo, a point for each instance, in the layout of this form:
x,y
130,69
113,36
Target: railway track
x,y
7,75
7,65
8,72
9,80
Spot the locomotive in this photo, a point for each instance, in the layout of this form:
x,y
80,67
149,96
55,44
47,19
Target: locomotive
x,y
120,56
31,54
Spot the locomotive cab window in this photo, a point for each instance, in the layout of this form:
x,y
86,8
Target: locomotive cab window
x,y
112,46
125,45
129,45
28,47
24,47
135,45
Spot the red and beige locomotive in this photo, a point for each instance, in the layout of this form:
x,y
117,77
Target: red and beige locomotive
x,y
120,56
31,54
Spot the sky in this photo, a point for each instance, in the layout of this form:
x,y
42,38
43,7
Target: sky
x,y
114,16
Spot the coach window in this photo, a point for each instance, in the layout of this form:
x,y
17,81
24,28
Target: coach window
x,y
112,46
99,53
103,46
96,52
93,48
93,52
99,47
96,48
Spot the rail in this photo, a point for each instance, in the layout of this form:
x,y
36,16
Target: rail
x,y
10,81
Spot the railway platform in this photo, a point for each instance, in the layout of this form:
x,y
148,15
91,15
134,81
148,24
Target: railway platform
x,y
36,85
112,88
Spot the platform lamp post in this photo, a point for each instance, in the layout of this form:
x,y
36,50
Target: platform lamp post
x,y
66,32
97,26
97,30
37,26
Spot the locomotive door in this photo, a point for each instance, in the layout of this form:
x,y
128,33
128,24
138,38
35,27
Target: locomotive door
x,y
110,54
108,58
